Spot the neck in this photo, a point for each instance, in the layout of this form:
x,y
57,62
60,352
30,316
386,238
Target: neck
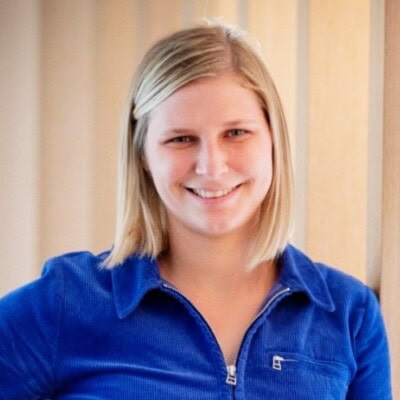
x,y
214,266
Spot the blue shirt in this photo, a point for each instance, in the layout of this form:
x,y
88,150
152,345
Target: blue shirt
x,y
81,332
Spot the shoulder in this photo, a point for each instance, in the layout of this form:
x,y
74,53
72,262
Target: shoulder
x,y
332,276
77,266
76,262
347,293
343,286
65,273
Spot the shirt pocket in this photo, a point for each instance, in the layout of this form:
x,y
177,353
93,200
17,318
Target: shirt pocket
x,y
294,376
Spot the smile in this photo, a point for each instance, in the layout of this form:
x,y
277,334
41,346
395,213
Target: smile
x,y
212,194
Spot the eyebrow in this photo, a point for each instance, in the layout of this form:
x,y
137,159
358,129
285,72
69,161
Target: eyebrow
x,y
179,131
185,131
237,122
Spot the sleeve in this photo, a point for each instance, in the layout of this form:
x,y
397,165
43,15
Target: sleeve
x,y
372,378
29,327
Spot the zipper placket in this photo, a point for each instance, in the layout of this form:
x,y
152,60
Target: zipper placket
x,y
231,378
261,312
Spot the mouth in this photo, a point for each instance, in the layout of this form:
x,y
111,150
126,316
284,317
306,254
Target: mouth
x,y
212,194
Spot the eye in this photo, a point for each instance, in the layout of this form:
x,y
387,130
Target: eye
x,y
180,140
237,132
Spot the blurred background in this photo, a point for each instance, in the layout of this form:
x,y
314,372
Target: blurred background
x,y
65,69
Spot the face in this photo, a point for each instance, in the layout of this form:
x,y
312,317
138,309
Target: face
x,y
209,152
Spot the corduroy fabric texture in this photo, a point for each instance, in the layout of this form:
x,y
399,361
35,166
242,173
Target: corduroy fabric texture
x,y
81,332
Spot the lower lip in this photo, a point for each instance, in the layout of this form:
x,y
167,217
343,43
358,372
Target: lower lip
x,y
215,200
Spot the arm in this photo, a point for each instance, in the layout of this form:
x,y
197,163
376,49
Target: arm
x,y
29,324
372,378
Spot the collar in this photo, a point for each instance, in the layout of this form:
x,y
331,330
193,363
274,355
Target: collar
x,y
138,275
301,274
132,280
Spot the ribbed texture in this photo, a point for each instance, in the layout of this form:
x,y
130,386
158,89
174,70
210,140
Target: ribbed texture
x,y
87,333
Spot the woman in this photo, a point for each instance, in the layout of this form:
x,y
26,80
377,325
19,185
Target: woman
x,y
201,296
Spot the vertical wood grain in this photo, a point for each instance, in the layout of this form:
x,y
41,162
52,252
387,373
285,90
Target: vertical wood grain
x,y
67,126
116,46
338,133
390,281
19,147
226,10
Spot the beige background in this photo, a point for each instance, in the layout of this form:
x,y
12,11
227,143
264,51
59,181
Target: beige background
x,y
65,67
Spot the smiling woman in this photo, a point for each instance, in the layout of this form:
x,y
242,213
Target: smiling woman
x,y
168,73
201,296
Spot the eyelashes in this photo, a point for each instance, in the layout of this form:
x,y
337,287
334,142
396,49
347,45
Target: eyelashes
x,y
235,134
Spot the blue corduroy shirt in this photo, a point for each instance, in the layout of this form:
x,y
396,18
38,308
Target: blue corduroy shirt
x,y
82,332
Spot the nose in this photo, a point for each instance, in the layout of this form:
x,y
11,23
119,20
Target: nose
x,y
211,160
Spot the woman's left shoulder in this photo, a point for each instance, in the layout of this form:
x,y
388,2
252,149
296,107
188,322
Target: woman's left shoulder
x,y
351,296
343,285
344,289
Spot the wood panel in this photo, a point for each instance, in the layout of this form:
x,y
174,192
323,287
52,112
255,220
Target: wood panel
x,y
390,295
116,45
19,149
67,126
339,38
226,10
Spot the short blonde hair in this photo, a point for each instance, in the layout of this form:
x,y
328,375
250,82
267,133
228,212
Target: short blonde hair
x,y
186,56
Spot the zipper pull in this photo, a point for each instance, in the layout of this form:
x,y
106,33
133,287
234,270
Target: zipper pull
x,y
231,377
277,362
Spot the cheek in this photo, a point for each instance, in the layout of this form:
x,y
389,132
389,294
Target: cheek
x,y
258,159
167,170
263,170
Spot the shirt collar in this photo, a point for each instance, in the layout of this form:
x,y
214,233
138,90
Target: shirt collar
x,y
138,275
132,280
301,274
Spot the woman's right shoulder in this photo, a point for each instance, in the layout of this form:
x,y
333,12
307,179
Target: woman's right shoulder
x,y
35,316
78,264
70,271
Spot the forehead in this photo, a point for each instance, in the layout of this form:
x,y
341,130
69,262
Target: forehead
x,y
223,97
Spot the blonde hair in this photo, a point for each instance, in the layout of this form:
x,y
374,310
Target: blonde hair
x,y
186,56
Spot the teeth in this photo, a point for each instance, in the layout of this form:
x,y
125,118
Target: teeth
x,y
211,194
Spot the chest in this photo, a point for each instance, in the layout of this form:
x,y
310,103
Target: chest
x,y
166,349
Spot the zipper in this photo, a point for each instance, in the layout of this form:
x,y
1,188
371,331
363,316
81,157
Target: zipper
x,y
269,302
266,306
277,362
231,377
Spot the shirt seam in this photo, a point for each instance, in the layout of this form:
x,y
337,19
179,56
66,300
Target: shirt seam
x,y
362,319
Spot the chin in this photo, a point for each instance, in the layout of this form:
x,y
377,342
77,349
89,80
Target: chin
x,y
219,230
